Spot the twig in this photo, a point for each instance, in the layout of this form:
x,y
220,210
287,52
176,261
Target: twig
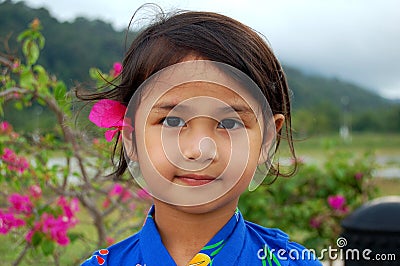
x,y
6,61
97,218
13,90
21,255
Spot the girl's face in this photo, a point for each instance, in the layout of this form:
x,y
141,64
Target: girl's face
x,y
198,143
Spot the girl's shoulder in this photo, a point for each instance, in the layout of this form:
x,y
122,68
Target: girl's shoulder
x,y
274,244
125,250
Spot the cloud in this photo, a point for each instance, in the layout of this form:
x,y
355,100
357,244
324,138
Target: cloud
x,y
354,40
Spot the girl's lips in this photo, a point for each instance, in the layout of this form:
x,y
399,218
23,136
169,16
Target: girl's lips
x,y
195,180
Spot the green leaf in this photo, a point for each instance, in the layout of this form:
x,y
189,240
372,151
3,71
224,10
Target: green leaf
x,y
10,83
41,41
42,76
48,247
44,209
60,91
41,102
25,47
74,236
26,79
19,106
94,73
37,238
34,52
23,35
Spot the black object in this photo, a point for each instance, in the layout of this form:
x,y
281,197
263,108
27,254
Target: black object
x,y
371,234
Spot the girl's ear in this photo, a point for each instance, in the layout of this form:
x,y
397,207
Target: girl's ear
x,y
129,144
279,120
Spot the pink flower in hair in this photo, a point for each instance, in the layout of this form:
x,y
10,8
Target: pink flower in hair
x,y
108,114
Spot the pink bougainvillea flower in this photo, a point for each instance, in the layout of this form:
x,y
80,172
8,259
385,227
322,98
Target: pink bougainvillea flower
x,y
5,127
8,221
15,64
119,190
56,228
36,227
358,175
96,141
110,241
126,195
29,235
337,202
315,222
132,206
35,191
106,203
117,69
74,205
116,190
108,114
69,208
13,161
143,194
20,204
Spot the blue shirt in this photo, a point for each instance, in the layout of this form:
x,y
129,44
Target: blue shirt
x,y
239,242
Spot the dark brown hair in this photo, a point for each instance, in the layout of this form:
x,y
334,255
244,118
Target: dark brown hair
x,y
210,36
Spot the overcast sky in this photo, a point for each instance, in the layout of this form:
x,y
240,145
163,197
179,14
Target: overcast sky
x,y
354,40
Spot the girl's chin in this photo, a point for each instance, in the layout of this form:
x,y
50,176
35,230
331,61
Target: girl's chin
x,y
222,203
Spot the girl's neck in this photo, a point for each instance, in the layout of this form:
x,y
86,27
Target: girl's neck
x,y
185,233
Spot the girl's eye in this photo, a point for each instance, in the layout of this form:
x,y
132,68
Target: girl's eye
x,y
230,124
173,121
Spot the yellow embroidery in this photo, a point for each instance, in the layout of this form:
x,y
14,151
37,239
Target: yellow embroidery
x,y
200,259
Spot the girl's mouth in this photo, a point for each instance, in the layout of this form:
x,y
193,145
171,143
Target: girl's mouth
x,y
194,179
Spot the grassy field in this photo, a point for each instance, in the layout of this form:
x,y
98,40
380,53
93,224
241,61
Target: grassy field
x,y
380,144
385,147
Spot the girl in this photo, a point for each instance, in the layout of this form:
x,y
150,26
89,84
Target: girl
x,y
207,103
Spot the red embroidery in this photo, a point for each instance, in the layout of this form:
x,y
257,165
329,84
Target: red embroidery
x,y
103,251
100,260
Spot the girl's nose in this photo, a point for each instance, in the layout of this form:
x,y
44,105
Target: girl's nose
x,y
197,140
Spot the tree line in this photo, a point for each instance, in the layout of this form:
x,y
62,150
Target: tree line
x,y
320,105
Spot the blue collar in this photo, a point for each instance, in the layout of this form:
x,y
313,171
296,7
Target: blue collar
x,y
229,246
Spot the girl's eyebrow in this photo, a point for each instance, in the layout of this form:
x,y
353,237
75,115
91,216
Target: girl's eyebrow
x,y
166,106
240,109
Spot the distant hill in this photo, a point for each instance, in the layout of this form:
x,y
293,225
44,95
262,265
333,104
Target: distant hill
x,y
72,48
309,90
